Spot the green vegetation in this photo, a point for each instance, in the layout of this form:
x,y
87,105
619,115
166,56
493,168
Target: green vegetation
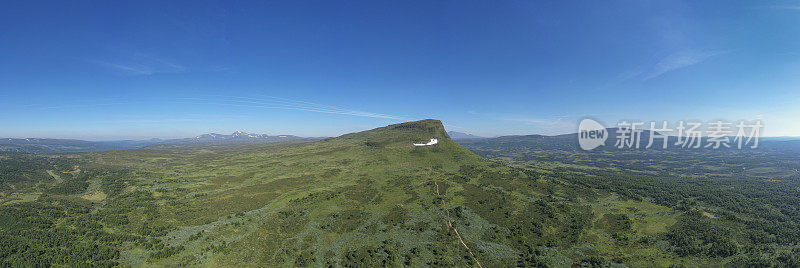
x,y
726,206
373,199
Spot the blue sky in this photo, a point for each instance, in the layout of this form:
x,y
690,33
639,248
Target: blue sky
x,y
142,69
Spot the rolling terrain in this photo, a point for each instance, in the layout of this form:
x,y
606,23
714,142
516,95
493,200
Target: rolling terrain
x,y
366,199
738,207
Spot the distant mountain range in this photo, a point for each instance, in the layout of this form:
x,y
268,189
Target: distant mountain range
x,y
49,146
570,142
235,135
462,136
782,138
565,141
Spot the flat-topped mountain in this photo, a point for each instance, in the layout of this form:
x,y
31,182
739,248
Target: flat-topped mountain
x,y
391,196
370,198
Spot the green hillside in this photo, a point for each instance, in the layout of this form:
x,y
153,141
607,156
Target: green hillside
x,y
363,199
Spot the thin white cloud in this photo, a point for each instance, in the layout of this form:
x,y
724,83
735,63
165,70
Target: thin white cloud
x,y
151,121
621,78
786,7
234,101
679,60
141,64
135,70
159,63
285,104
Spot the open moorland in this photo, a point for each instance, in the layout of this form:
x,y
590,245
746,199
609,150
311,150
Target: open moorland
x,y
373,199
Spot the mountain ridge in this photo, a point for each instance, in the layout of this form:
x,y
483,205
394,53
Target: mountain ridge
x,y
461,135
51,146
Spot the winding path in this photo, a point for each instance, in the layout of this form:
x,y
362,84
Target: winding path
x,y
449,224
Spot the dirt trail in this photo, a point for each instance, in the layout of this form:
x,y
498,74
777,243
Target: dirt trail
x,y
449,224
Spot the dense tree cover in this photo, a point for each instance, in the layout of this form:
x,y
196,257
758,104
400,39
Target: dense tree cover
x,y
17,167
735,203
61,229
73,184
769,210
697,234
526,223
55,231
20,172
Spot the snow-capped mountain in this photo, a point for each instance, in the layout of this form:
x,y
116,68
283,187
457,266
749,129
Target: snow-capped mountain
x,y
211,136
235,135
241,135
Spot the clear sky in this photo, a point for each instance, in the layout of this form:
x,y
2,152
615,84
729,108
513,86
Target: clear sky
x,y
143,69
